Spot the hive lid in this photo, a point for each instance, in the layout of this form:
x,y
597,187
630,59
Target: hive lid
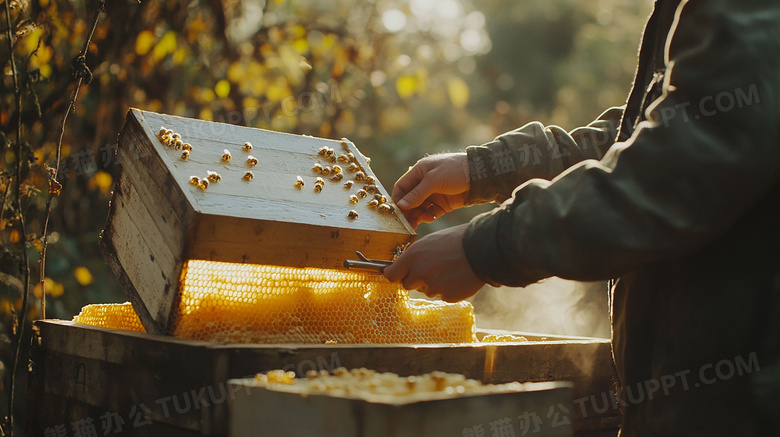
x,y
157,219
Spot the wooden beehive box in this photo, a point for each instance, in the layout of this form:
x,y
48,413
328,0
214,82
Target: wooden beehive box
x,y
158,220
277,410
80,372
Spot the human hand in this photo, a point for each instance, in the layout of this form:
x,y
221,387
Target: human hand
x,y
434,186
437,266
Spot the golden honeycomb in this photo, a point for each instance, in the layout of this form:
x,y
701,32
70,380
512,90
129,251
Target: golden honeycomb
x,y
111,315
369,384
242,303
503,338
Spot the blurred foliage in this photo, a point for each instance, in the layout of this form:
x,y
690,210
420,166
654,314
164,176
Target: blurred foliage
x,y
401,78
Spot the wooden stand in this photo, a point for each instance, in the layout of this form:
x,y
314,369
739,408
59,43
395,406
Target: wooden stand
x,y
178,387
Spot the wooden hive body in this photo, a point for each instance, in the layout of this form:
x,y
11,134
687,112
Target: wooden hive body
x,y
158,220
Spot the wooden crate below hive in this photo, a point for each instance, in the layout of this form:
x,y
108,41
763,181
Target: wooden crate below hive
x,y
158,220
82,372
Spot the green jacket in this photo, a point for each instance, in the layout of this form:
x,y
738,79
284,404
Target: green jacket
x,y
677,197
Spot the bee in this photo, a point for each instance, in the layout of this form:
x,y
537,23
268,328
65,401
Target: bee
x,y
317,167
370,180
353,199
165,139
251,160
336,169
185,155
319,181
248,176
203,184
323,151
380,198
371,189
337,178
344,143
386,207
373,203
186,146
342,158
177,144
194,180
247,147
162,131
299,183
353,168
350,157
175,137
360,176
227,156
214,176
317,188
362,193
329,151
326,170
352,214
348,185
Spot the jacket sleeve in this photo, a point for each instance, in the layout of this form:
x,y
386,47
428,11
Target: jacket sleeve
x,y
709,152
535,151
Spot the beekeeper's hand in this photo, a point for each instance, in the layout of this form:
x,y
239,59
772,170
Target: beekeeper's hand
x,y
437,266
434,186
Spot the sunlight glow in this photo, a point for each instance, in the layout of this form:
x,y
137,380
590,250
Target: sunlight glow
x,y
393,20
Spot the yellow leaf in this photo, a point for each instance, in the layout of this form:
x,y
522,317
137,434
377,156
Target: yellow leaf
x,y
405,86
144,42
166,45
458,92
31,38
179,56
206,114
222,88
256,86
277,91
301,45
53,289
207,95
297,30
103,180
250,102
83,275
45,70
236,72
255,69
44,54
56,290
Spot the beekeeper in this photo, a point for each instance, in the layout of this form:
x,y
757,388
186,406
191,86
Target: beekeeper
x,y
675,198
